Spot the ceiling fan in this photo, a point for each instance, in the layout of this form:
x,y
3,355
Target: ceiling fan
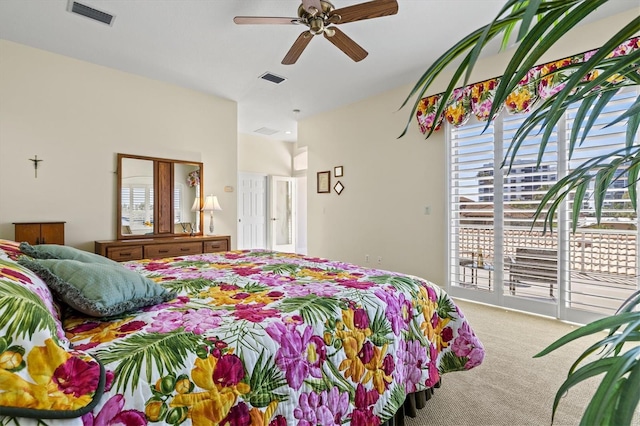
x,y
321,17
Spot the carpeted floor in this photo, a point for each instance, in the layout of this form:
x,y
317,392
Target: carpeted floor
x,y
510,387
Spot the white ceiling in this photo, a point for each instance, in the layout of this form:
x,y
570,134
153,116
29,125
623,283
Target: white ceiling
x,y
195,44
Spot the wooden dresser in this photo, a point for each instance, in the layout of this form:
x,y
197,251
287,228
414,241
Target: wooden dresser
x,y
39,232
154,248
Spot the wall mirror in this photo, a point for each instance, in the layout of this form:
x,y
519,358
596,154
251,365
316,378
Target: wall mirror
x,y
158,197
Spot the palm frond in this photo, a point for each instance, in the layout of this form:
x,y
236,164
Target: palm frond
x,y
604,168
613,402
242,335
165,351
192,263
188,286
395,402
446,308
265,379
282,268
404,284
313,309
254,287
23,312
380,329
450,362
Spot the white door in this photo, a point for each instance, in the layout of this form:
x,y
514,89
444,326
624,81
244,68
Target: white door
x,y
252,211
282,214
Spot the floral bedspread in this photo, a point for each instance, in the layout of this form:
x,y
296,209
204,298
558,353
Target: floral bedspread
x,y
265,338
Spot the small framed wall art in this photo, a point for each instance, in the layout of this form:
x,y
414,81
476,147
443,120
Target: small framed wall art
x,y
338,188
337,171
324,182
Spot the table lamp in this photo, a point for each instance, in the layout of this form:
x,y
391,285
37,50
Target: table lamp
x,y
210,205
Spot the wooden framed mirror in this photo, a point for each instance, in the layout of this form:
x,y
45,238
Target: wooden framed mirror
x,y
158,197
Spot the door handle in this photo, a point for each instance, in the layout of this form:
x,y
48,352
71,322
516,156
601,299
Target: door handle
x,y
274,219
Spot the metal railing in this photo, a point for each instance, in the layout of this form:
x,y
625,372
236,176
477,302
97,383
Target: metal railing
x,y
602,251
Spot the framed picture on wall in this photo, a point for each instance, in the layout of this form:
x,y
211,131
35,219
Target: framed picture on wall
x,y
337,171
324,182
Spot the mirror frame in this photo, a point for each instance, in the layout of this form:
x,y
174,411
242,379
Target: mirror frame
x,y
163,184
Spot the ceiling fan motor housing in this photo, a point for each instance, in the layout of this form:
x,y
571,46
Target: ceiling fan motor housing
x,y
318,20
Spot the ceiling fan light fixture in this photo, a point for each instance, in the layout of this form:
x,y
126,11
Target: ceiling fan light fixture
x,y
316,25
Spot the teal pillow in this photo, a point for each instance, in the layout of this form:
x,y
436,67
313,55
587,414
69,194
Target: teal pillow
x,y
55,251
97,289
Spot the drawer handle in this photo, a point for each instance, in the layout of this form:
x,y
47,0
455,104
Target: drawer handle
x,y
185,249
125,254
163,251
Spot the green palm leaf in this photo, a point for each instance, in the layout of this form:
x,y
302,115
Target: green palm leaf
x,y
313,309
265,379
616,398
165,351
254,287
282,268
406,285
446,308
380,329
450,362
242,335
23,312
188,286
395,402
191,264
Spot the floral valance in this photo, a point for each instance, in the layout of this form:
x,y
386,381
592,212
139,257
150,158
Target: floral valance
x,y
540,83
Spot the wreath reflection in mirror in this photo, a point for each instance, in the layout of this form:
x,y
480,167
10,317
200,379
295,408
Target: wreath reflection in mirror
x,y
193,178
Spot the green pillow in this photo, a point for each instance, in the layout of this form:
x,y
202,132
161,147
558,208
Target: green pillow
x,y
97,289
55,251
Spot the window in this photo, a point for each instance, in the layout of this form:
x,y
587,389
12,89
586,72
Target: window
x,y
496,248
137,208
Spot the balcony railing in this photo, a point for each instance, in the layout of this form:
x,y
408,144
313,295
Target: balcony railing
x,y
594,250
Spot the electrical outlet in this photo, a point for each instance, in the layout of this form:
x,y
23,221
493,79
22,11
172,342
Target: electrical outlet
x,y
366,258
379,260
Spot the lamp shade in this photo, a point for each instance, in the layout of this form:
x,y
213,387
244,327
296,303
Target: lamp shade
x,y
196,205
211,204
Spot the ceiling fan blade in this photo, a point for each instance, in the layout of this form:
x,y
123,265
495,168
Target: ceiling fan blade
x,y
260,20
297,48
346,44
312,6
368,10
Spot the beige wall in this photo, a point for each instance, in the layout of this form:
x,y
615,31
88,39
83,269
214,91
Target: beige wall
x,y
258,154
389,181
76,116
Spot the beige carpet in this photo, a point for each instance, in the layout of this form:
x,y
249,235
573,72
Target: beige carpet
x,y
510,387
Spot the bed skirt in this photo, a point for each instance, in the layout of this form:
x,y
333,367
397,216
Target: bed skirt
x,y
412,404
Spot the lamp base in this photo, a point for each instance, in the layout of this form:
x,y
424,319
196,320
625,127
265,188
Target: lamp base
x,y
211,225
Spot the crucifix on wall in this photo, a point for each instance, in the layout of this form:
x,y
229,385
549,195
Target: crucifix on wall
x,y
35,164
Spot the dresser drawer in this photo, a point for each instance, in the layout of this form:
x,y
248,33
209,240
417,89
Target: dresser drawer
x,y
153,251
123,254
215,246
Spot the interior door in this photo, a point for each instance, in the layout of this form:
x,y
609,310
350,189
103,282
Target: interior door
x,y
252,211
282,214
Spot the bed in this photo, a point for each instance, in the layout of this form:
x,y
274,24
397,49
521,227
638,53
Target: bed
x,y
248,337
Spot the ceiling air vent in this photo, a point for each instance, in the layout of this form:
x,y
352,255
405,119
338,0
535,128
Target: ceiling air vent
x,y
89,12
266,131
272,78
